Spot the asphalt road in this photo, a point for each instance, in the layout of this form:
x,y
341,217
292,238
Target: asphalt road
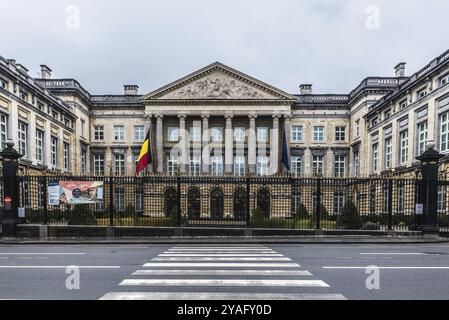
x,y
312,271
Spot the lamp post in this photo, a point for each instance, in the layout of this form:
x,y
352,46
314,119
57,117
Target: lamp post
x,y
428,190
9,158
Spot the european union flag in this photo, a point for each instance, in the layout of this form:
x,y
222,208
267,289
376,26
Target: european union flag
x,y
285,157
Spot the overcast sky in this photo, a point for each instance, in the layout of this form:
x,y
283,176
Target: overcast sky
x,y
332,44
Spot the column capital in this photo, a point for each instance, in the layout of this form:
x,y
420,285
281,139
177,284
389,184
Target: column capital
x,y
182,115
252,115
276,116
229,115
159,115
287,116
205,115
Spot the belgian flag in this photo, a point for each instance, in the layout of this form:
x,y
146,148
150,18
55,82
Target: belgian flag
x,y
145,155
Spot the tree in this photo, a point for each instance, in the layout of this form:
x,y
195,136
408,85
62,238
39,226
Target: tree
x,y
301,212
349,217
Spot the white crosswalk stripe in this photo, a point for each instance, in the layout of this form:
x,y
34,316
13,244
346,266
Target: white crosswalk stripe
x,y
224,267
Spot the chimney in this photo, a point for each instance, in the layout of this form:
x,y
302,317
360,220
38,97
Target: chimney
x,y
131,89
12,61
399,70
305,89
45,72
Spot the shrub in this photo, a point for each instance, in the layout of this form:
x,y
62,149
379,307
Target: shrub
x,y
129,211
82,215
301,212
324,214
349,217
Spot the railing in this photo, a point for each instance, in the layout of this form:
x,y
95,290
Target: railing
x,y
231,201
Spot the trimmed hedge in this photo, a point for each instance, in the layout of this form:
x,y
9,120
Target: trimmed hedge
x,y
349,217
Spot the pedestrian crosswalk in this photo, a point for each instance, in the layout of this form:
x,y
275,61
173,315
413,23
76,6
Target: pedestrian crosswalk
x,y
222,273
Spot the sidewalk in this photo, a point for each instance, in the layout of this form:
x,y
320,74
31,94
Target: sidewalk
x,y
347,239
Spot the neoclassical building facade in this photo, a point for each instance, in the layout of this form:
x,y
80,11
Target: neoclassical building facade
x,y
218,120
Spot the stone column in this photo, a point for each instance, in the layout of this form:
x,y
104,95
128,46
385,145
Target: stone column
x,y
47,143
274,145
287,129
205,161
159,144
229,144
32,138
252,153
182,143
329,162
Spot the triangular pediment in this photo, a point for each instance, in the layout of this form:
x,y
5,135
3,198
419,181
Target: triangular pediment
x,y
218,82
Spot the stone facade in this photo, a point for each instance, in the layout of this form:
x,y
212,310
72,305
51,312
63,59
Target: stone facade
x,y
219,120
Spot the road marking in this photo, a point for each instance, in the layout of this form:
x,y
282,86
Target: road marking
x,y
222,259
220,255
59,267
223,272
40,253
221,264
218,296
223,282
398,253
221,249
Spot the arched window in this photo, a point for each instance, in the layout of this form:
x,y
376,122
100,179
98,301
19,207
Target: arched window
x,y
240,200
216,203
170,202
193,203
263,202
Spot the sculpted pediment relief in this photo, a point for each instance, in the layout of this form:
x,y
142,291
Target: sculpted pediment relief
x,y
217,86
217,82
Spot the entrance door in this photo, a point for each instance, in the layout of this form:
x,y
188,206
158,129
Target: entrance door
x,y
170,202
193,203
263,202
240,203
216,203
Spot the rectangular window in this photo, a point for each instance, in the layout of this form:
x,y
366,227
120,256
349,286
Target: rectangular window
x,y
139,133
172,134
172,164
339,201
388,153
262,165
23,139
357,128
374,121
317,165
98,133
119,164
55,115
400,198
403,145
217,165
444,80
83,128
239,165
422,137
23,95
66,156
3,130
239,134
356,163
318,133
39,146
195,134
295,166
83,161
444,132
120,199
340,133
387,114
54,152
99,164
138,201
339,166
217,134
421,94
195,164
296,133
119,133
3,84
403,104
375,155
262,134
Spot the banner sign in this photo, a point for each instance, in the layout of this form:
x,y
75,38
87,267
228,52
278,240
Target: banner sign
x,y
74,192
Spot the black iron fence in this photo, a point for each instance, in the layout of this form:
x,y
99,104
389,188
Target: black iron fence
x,y
229,201
443,205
